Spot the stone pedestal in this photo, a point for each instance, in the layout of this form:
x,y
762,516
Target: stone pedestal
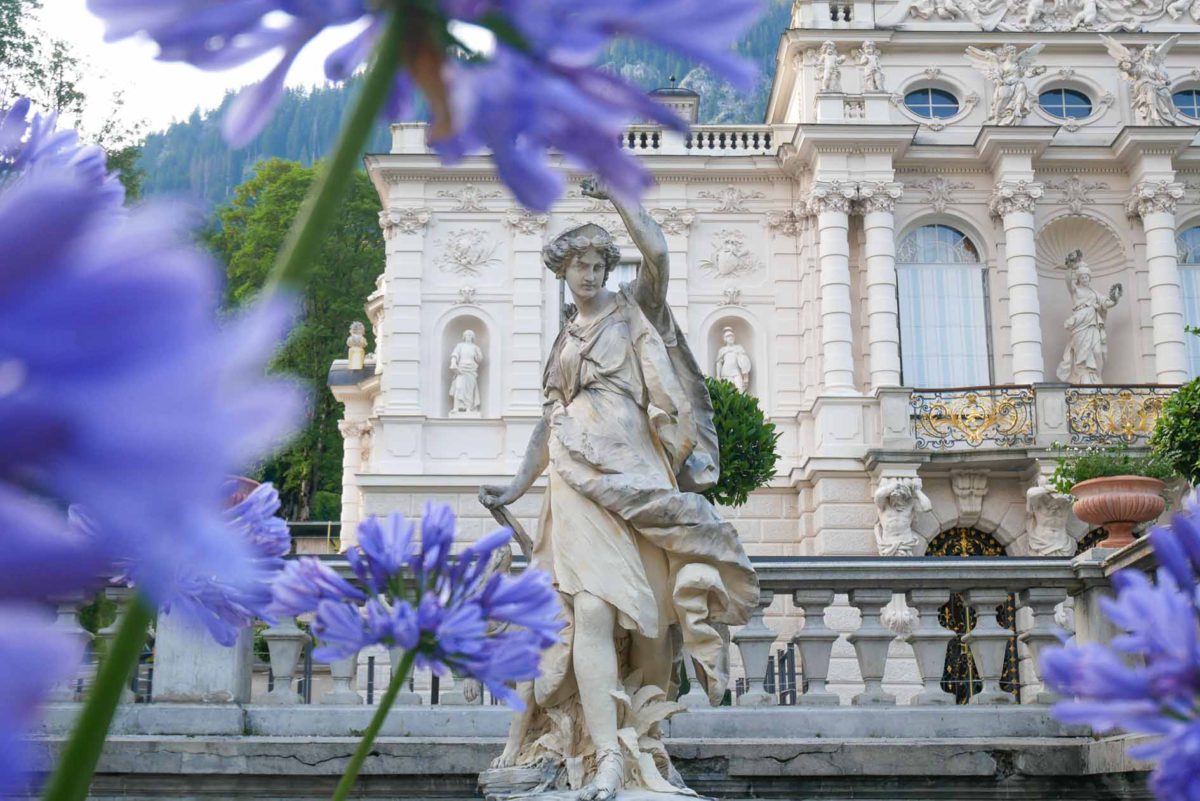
x,y
190,667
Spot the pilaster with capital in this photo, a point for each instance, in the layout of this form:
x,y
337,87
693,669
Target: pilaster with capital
x,y
877,203
522,376
398,333
1154,202
1013,202
830,202
353,432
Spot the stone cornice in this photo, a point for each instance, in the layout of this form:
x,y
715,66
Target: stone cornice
x,y
1148,197
1015,196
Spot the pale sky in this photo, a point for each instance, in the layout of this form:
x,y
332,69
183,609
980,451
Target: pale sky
x,y
157,92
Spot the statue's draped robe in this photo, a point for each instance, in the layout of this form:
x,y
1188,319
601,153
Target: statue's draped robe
x,y
632,441
1083,359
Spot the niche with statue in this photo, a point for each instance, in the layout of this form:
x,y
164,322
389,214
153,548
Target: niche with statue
x,y
731,346
464,367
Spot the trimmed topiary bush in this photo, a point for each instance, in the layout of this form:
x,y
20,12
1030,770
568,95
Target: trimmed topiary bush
x,y
1176,437
747,442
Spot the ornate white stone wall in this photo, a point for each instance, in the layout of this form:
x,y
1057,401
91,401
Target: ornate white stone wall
x,y
787,232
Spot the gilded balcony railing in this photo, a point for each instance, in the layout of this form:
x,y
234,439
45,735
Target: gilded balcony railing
x,y
1107,415
1001,417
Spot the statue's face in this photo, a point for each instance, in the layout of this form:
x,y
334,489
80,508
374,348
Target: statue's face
x,y
468,336
728,337
1085,278
585,274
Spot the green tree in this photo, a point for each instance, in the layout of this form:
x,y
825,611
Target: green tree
x,y
747,444
245,235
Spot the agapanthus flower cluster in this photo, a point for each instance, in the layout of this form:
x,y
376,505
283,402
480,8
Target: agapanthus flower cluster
x,y
457,612
122,398
539,88
1147,681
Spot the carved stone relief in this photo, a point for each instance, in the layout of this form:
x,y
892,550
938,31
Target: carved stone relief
x,y
1144,70
466,251
731,255
1074,192
788,223
969,488
469,197
1047,527
1010,197
525,222
1063,15
1008,69
730,198
674,220
1153,196
940,193
404,221
898,500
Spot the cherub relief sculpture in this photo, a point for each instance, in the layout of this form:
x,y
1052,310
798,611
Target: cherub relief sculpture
x,y
1049,511
644,564
1008,71
829,68
1144,69
898,501
1087,347
872,71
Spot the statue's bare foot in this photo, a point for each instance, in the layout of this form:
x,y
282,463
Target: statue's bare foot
x,y
507,758
610,773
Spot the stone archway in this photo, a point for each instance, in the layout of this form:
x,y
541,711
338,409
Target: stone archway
x,y
960,676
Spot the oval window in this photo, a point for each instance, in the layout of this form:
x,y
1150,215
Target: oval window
x,y
1065,104
932,104
1187,101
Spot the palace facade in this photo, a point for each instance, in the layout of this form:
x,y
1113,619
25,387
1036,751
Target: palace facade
x,y
892,250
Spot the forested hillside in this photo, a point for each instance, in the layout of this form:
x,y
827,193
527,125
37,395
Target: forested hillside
x,y
191,160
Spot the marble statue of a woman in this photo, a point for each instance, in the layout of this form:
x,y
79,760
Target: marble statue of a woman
x,y
645,566
1083,359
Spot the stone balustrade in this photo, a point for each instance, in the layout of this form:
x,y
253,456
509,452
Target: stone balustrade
x,y
1022,416
702,140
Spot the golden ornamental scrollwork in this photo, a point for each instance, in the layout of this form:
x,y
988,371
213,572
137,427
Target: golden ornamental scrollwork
x,y
1107,415
1000,416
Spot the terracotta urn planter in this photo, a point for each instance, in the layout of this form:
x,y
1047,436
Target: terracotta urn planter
x,y
1118,503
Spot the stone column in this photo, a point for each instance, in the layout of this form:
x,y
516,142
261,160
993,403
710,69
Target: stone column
x,y
1013,203
877,203
830,202
1154,202
352,437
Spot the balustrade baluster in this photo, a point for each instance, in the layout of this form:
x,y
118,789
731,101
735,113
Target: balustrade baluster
x,y
406,696
695,697
754,642
815,642
988,642
343,693
1041,602
871,643
285,642
929,640
67,622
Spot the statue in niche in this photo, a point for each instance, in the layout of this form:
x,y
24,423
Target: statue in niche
x,y
898,501
356,346
645,565
872,71
1083,359
1049,511
465,361
829,68
1145,69
733,363
1008,71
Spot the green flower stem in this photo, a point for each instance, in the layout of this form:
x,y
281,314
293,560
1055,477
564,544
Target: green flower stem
x,y
368,739
304,238
77,762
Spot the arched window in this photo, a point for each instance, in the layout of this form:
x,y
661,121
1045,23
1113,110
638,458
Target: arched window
x,y
1189,276
943,317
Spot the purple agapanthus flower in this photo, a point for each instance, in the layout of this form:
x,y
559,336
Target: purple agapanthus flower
x,y
538,88
457,612
1156,691
33,658
223,608
119,389
29,143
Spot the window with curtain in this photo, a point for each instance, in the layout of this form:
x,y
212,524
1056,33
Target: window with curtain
x,y
943,318
1189,276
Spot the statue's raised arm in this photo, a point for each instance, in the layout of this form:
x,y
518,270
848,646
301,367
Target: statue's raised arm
x,y
650,289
